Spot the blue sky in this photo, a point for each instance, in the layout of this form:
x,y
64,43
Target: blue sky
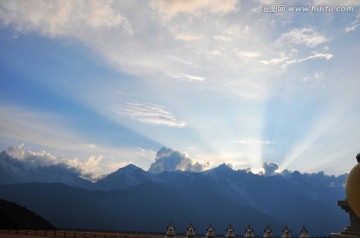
x,y
105,83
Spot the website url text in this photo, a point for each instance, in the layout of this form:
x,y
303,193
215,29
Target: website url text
x,y
276,8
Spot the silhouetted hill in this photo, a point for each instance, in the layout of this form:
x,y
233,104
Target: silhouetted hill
x,y
13,216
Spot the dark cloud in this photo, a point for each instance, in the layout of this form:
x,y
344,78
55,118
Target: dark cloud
x,y
269,168
170,160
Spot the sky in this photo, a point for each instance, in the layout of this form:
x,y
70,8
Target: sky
x,y
102,84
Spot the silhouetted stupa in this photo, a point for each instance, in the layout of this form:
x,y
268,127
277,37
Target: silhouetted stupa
x,y
352,188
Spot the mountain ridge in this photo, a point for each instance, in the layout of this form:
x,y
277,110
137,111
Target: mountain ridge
x,y
125,177
13,171
292,199
79,208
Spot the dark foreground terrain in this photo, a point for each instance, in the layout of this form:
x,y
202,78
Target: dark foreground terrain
x,y
73,234
13,216
98,234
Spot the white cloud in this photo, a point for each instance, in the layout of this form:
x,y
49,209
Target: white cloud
x,y
315,55
351,28
170,160
150,114
192,50
337,3
91,167
61,17
354,25
249,54
175,7
187,77
33,159
285,61
210,48
293,51
198,41
306,36
274,61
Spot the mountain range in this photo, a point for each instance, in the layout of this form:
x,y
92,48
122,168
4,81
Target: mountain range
x,y
133,199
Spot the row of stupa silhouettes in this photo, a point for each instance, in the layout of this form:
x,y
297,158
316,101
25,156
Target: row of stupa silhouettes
x,y
230,232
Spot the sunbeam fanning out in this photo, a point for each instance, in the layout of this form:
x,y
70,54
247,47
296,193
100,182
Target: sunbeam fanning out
x,y
223,81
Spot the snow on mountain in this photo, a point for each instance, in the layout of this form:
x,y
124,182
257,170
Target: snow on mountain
x,y
125,177
13,171
289,197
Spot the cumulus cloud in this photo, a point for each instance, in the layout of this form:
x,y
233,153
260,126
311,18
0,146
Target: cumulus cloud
x,y
270,169
150,113
32,160
89,167
170,160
